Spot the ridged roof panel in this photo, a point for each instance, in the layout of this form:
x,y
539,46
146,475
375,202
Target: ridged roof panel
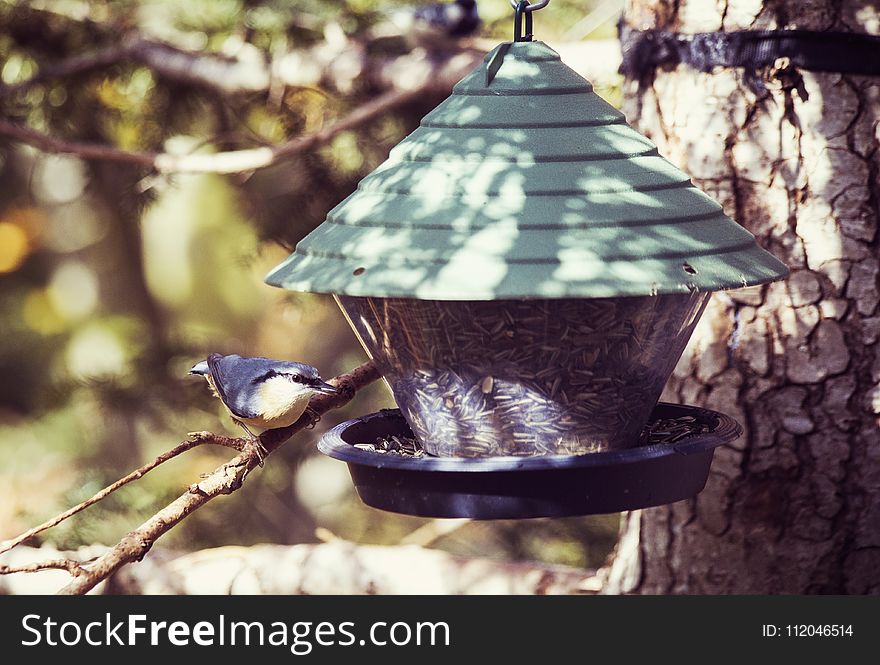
x,y
493,178
478,211
525,184
524,145
578,109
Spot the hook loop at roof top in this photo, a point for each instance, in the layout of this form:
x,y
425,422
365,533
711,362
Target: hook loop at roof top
x,y
532,7
520,33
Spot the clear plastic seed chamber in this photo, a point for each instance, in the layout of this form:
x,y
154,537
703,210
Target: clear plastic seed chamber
x,y
525,269
525,377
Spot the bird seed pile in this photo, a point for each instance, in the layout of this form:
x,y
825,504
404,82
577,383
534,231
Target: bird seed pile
x,y
664,431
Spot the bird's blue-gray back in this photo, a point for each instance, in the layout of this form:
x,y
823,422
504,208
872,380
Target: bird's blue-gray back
x,y
238,379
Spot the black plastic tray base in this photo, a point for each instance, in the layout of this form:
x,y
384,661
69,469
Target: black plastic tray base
x,y
520,487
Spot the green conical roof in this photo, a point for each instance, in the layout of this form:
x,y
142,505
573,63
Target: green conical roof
x,y
525,184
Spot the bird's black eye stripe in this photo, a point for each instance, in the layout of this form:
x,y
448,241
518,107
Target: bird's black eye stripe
x,y
268,375
297,378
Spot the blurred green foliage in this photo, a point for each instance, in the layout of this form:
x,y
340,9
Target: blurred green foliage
x,y
113,281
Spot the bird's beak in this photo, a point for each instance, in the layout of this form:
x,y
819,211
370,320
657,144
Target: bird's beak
x,y
200,369
324,388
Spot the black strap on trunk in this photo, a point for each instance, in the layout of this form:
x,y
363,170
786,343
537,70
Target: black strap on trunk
x,y
842,52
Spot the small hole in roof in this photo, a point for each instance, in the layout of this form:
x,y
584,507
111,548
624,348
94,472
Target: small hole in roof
x,y
688,268
359,271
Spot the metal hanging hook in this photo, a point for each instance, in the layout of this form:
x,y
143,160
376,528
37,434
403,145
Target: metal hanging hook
x,y
523,14
531,7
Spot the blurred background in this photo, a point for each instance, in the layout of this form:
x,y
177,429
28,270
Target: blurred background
x,y
114,280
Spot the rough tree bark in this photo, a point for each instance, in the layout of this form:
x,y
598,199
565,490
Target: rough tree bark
x,y
794,505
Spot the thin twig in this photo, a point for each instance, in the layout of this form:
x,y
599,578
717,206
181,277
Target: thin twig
x,y
71,67
234,161
432,531
225,479
75,568
195,439
342,66
336,67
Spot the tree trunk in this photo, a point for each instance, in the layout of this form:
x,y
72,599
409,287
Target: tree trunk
x,y
793,506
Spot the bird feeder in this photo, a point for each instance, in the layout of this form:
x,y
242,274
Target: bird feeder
x,y
525,269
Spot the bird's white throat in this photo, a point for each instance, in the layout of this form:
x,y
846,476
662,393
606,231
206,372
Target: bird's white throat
x,y
282,402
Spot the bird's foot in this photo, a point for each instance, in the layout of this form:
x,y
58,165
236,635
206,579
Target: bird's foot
x,y
260,449
314,418
256,443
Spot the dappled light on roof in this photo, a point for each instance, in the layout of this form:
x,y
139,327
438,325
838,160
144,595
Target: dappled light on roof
x,y
525,184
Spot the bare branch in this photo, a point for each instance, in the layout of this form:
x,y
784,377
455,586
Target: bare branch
x,y
226,479
54,145
342,66
235,161
71,67
195,439
73,567
334,566
342,567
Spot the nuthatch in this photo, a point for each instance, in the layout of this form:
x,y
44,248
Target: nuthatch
x,y
435,23
261,392
457,19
